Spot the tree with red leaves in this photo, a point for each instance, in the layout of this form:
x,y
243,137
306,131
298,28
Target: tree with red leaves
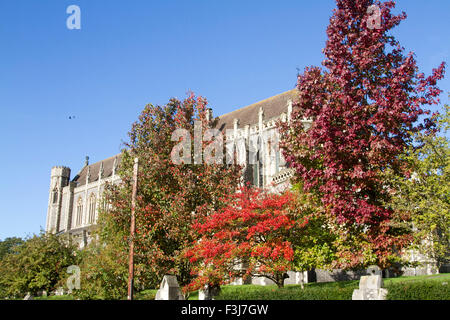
x,y
249,237
365,104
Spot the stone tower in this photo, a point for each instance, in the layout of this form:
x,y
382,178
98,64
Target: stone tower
x,y
59,178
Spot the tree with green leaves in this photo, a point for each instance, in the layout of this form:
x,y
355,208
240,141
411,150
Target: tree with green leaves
x,y
314,244
170,196
40,263
425,194
9,245
104,270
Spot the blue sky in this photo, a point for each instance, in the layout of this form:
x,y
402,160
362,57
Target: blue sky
x,y
130,53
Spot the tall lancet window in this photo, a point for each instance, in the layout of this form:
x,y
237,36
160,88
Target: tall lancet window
x,y
79,217
55,195
92,207
256,163
258,176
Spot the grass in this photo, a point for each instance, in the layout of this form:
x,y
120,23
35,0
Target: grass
x,y
146,295
440,277
151,293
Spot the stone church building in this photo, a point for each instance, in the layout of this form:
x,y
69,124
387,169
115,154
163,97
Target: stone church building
x,y
73,202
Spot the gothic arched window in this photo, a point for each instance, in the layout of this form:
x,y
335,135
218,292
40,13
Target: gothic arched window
x,y
258,177
92,208
79,217
55,195
254,169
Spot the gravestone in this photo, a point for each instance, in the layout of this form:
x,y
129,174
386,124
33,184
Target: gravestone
x,y
28,297
42,293
208,292
59,291
371,286
374,271
169,289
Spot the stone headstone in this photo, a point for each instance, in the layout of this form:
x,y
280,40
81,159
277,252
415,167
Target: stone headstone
x,y
208,293
371,282
169,289
42,293
374,271
203,295
371,286
28,297
59,291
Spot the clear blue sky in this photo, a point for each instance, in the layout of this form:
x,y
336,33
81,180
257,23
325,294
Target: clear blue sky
x,y
130,53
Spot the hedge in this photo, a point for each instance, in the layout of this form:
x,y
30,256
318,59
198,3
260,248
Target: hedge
x,y
315,293
407,290
419,290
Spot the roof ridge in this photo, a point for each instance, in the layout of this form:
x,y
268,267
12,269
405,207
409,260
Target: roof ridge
x,y
253,104
98,162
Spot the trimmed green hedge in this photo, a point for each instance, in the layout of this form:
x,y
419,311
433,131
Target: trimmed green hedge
x,y
315,293
431,289
419,290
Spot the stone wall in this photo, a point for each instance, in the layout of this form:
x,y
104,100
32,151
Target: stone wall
x,y
337,275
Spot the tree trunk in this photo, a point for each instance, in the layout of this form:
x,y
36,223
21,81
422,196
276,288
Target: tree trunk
x,y
279,279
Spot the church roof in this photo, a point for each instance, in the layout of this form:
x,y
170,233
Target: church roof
x,y
273,107
94,169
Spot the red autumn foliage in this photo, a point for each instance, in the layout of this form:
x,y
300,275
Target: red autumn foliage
x,y
249,237
364,104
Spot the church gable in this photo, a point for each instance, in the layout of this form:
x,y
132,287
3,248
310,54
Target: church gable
x,y
93,170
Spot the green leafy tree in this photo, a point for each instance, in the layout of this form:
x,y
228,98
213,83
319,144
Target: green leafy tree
x,y
425,194
40,263
104,271
170,196
9,245
314,244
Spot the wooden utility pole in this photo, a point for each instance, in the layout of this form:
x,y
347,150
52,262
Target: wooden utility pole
x,y
132,230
